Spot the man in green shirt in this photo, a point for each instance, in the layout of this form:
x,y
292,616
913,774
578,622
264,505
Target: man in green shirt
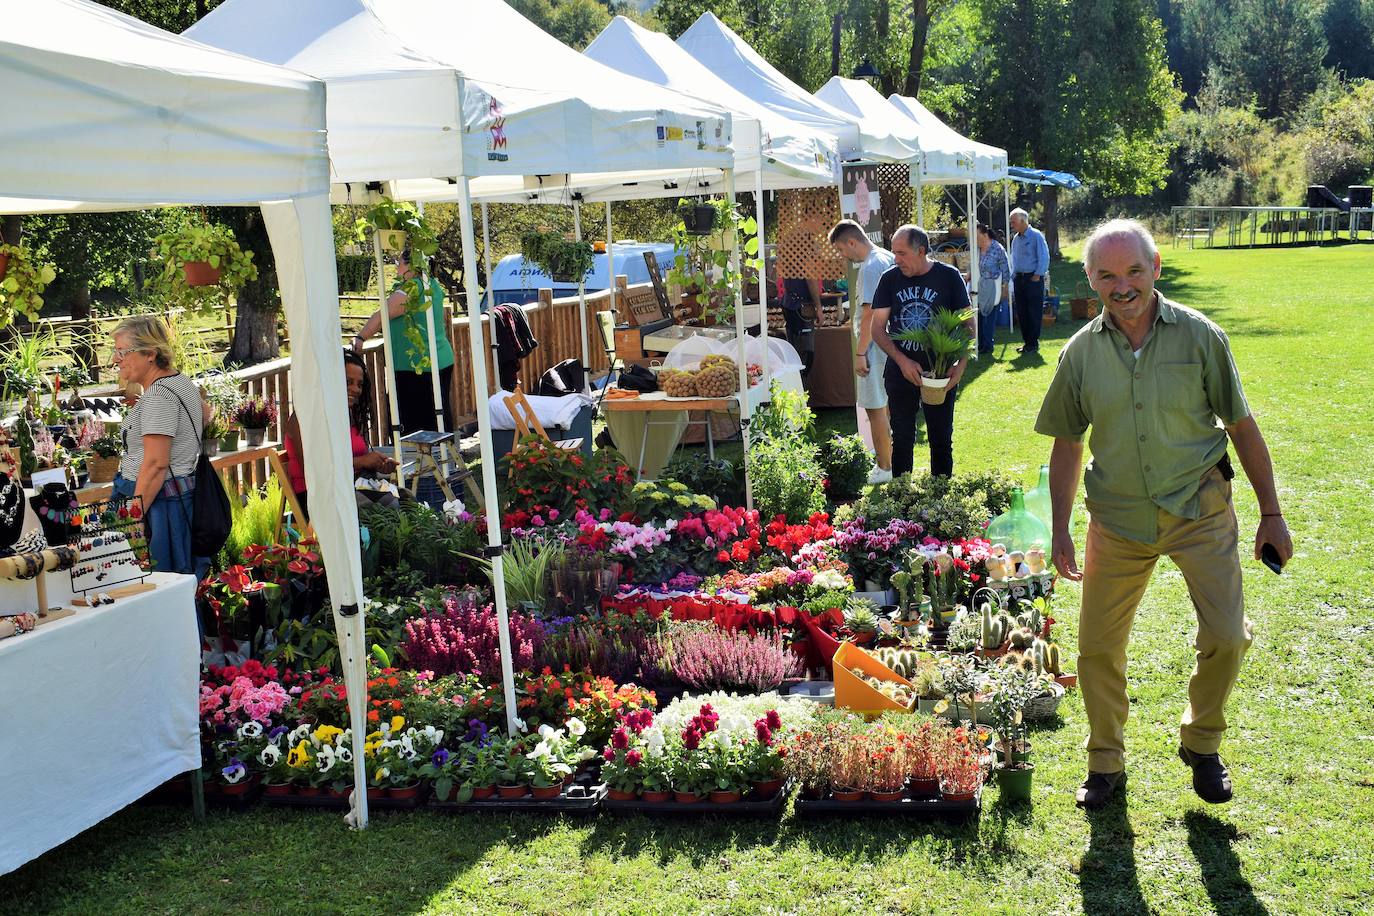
x,y
1156,384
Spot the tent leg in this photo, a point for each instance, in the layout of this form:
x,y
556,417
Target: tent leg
x,y
610,265
388,362
742,339
763,277
973,257
582,292
490,295
1006,223
493,507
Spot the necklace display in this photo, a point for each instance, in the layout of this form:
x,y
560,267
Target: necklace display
x,y
11,510
58,512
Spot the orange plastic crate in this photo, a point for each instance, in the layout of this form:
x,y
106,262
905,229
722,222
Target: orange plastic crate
x,y
852,693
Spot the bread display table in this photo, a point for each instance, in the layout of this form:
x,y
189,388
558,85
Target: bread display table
x,y
98,709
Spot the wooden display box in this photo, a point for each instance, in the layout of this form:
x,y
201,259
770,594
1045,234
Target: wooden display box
x,y
852,693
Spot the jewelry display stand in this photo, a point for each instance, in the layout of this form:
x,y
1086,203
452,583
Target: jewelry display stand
x,y
26,600
112,545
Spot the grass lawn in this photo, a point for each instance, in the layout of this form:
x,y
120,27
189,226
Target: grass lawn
x,y
1298,838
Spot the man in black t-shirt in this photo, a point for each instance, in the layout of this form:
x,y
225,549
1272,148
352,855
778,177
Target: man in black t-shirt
x,y
907,296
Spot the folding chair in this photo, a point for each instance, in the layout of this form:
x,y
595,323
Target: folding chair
x,y
605,323
526,423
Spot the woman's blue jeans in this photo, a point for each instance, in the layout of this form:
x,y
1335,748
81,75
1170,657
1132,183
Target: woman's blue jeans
x,y
168,522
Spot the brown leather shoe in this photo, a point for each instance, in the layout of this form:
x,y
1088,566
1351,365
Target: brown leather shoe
x,y
1099,788
1211,781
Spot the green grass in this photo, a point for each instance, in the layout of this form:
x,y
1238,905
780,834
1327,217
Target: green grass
x,y
1297,839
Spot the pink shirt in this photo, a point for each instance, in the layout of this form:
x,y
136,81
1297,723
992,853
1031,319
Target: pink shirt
x,y
295,469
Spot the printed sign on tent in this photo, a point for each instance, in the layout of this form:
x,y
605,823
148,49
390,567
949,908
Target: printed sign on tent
x,y
859,199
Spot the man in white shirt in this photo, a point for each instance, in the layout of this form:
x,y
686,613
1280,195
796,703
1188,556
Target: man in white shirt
x,y
850,240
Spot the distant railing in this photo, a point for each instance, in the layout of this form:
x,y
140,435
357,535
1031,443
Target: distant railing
x,y
1275,225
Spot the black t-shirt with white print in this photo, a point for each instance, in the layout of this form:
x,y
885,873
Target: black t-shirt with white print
x,y
913,300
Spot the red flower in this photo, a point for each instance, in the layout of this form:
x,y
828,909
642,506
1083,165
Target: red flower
x,y
620,739
633,758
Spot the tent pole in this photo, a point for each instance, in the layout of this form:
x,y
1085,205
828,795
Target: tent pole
x,y
388,360
973,255
440,421
486,258
1006,225
920,205
493,508
766,378
741,338
582,291
610,266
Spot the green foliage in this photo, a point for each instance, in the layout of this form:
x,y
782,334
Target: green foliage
x,y
705,265
787,415
256,519
1349,28
21,289
787,478
23,363
525,567
945,338
847,463
400,216
947,507
355,272
414,539
561,258
213,243
714,476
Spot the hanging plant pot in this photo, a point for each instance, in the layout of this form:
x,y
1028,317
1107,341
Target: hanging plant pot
x,y
4,263
200,273
699,220
392,240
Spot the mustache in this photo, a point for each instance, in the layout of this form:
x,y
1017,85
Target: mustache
x,y
1126,297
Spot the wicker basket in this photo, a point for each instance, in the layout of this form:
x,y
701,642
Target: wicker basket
x,y
102,470
1043,707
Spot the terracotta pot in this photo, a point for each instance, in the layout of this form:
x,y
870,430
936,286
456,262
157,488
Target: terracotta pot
x,y
340,794
620,795
994,653
923,788
480,792
200,273
846,795
686,798
886,796
552,791
662,795
768,788
309,791
376,793
512,791
1067,681
4,264
278,788
724,796
958,796
405,792
239,788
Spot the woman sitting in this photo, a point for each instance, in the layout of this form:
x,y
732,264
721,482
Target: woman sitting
x,y
366,462
161,440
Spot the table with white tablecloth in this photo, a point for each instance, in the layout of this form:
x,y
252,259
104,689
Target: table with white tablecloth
x,y
96,710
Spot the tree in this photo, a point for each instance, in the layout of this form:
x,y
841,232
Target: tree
x,y
1096,106
1278,46
1349,39
255,324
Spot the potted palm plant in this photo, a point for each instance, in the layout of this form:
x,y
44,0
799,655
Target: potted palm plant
x,y
22,281
946,340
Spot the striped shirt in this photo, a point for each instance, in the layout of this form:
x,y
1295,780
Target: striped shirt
x,y
162,411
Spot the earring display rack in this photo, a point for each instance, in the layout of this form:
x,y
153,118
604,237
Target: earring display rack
x,y
112,544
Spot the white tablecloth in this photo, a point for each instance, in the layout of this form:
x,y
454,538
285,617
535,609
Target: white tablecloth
x,y
95,710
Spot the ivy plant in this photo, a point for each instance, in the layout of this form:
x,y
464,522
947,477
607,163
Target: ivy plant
x,y
212,243
25,278
559,257
702,266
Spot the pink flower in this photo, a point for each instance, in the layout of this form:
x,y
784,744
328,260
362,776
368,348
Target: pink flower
x,y
633,758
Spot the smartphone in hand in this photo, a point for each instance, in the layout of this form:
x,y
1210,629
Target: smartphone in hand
x,y
1269,556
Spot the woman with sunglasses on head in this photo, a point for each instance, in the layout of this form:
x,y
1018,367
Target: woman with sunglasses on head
x,y
161,439
365,461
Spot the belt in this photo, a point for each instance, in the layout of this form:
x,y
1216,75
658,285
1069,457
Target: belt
x,y
177,486
1025,273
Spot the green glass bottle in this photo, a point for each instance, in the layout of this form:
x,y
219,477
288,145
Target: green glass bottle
x,y
1038,499
1017,528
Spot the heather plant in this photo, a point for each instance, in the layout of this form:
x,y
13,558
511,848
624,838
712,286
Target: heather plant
x,y
460,638
721,660
617,647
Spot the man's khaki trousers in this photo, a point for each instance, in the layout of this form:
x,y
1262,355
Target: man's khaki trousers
x,y
1115,572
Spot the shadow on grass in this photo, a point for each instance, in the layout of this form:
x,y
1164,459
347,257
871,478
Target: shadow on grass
x,y
1107,880
1211,840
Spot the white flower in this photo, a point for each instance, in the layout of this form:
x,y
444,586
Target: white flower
x,y
541,751
407,748
269,756
576,728
546,731
829,579
345,755
454,508
250,729
298,734
325,758
434,736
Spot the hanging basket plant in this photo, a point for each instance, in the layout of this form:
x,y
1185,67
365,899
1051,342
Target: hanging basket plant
x,y
702,268
22,282
563,259
697,218
202,264
398,224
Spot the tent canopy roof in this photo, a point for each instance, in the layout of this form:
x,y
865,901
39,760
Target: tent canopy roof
x,y
876,117
529,105
173,121
950,156
787,147
723,52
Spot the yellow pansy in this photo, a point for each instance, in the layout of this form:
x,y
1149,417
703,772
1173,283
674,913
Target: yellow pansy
x,y
298,756
326,734
397,723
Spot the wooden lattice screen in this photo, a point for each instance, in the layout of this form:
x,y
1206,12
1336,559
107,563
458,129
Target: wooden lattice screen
x,y
898,198
805,218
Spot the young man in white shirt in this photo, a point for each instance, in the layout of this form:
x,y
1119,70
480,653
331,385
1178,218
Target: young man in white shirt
x,y
848,238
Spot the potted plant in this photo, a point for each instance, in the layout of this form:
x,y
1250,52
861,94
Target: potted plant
x,y
482,771
103,462
689,777
513,770
698,218
255,415
398,223
620,770
202,263
925,748
849,773
1012,690
961,768
946,340
22,282
563,259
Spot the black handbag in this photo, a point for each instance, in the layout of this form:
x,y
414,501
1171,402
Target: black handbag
x,y
638,378
211,517
567,377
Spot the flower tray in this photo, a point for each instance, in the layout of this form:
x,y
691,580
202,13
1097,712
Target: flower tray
x,y
237,802
931,807
566,804
341,803
745,807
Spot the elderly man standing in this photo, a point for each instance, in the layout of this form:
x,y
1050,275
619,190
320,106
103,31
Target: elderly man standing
x,y
1030,259
1156,383
906,298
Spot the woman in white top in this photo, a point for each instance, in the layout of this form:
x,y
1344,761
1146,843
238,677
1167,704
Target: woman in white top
x,y
161,440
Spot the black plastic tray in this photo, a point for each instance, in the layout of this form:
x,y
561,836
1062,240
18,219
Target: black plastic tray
x,y
745,807
585,804
934,806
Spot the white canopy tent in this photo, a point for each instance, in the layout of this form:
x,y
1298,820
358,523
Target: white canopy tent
x,y
120,115
437,98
